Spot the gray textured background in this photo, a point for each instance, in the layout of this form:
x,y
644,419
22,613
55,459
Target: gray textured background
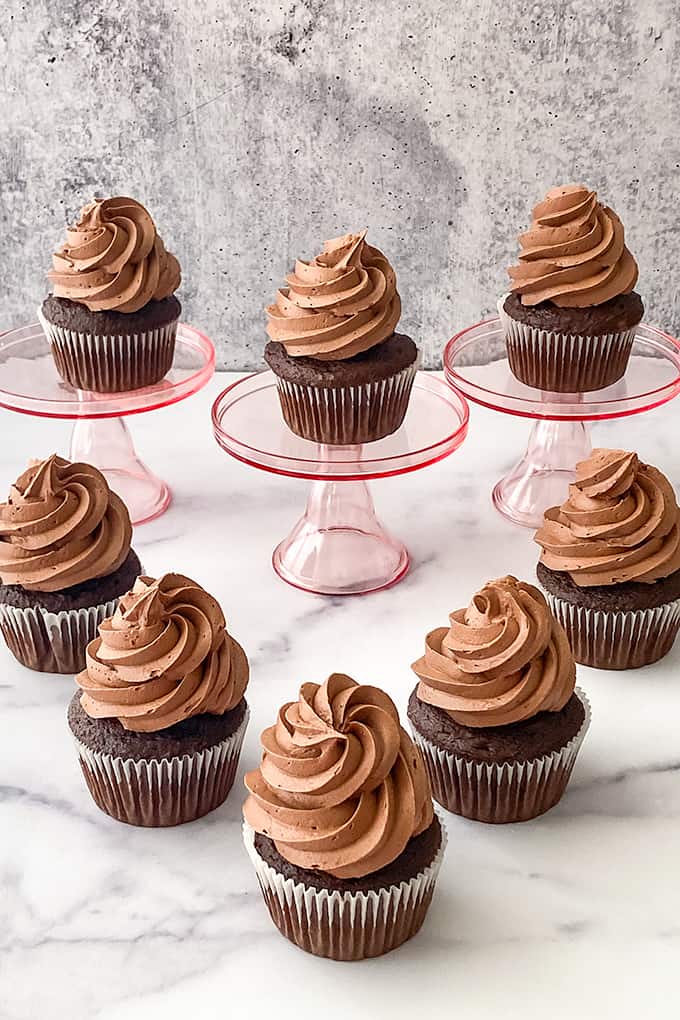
x,y
255,130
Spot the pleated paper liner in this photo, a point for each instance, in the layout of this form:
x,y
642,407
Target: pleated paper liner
x,y
350,925
348,415
565,362
52,642
505,791
163,792
111,364
618,639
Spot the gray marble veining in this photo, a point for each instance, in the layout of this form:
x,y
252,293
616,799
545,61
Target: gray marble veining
x,y
573,915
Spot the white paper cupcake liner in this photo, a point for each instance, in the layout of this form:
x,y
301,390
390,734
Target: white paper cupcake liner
x,y
565,362
52,642
163,792
111,364
618,639
348,925
505,791
347,415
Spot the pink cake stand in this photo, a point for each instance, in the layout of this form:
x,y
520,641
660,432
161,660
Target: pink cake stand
x,y
338,547
30,384
475,364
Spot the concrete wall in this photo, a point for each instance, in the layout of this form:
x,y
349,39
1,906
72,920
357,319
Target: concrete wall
x,y
254,130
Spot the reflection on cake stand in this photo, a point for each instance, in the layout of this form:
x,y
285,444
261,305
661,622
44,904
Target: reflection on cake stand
x,y
30,384
338,547
476,365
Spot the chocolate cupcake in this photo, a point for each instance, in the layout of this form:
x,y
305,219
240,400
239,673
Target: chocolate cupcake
x,y
610,562
65,559
571,315
495,712
161,715
344,376
112,317
339,823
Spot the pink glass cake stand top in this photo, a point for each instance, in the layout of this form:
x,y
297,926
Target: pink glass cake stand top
x,y
475,364
338,547
30,384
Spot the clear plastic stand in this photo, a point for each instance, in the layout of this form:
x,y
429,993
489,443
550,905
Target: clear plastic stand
x,y
30,384
475,364
108,445
338,547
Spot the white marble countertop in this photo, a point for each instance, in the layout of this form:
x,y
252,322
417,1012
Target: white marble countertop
x,y
574,915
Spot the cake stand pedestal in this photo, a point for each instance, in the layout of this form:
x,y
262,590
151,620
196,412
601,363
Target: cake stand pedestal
x,y
30,384
338,546
476,365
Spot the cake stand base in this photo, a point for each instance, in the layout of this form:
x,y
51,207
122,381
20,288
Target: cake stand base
x,y
476,365
107,443
339,547
542,477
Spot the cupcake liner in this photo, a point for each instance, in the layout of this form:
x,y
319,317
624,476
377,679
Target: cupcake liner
x,y
111,364
504,791
618,639
347,415
565,362
52,642
166,791
348,925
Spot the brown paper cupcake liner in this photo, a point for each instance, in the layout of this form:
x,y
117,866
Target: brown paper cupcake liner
x,y
163,792
618,639
52,642
504,791
347,415
349,925
111,364
564,362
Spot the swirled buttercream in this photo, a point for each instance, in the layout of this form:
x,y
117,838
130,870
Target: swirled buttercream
x,y
341,303
341,787
620,523
113,259
61,526
502,660
574,253
164,655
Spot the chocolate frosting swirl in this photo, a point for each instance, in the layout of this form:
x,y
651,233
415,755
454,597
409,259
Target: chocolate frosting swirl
x,y
341,787
343,302
574,252
164,655
113,259
504,659
620,523
61,526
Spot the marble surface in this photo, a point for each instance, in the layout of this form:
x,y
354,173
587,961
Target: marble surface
x,y
574,915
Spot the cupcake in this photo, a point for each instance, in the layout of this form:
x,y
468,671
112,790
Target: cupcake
x,y
610,562
111,318
65,559
495,712
571,315
344,376
160,717
339,823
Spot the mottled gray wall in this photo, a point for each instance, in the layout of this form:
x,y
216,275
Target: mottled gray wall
x,y
254,130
